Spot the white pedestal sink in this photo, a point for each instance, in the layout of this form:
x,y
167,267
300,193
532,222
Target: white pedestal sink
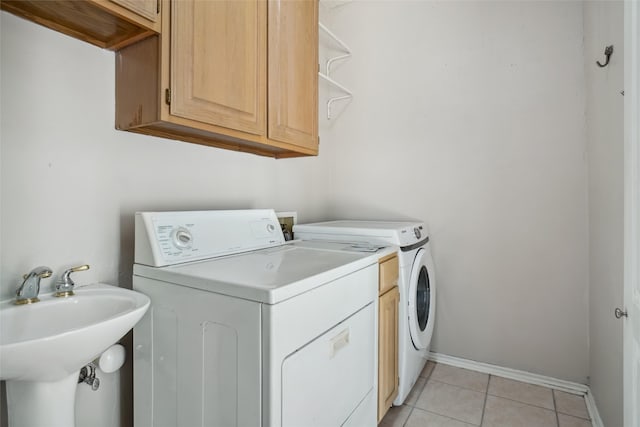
x,y
44,345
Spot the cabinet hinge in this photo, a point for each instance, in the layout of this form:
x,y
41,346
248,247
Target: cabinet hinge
x,y
158,6
167,96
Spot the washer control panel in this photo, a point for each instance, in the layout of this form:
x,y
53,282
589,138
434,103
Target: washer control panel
x,y
412,234
166,238
417,232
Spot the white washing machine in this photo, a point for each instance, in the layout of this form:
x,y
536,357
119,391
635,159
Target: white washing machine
x,y
247,330
417,283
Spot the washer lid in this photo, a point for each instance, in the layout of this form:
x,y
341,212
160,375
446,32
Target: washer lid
x,y
400,233
267,275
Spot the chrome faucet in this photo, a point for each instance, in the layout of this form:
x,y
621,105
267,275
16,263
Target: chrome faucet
x,y
28,292
64,286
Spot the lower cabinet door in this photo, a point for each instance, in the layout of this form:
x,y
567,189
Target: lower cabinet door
x,y
387,350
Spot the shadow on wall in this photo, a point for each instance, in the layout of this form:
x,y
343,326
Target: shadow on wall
x,y
349,209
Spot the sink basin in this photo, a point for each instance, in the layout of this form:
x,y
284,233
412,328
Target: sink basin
x,y
54,338
47,343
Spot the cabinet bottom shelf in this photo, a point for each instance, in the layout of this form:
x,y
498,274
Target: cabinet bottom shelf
x,y
195,136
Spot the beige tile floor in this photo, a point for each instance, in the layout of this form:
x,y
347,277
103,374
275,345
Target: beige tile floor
x,y
445,396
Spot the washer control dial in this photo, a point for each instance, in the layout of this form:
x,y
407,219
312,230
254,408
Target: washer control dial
x,y
182,238
417,232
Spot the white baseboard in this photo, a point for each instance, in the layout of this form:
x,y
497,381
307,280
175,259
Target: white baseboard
x,y
527,377
596,421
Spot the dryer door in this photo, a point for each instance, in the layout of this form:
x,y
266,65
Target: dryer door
x,y
421,300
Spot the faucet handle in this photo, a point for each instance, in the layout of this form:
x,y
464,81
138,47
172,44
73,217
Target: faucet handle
x,y
76,269
41,272
64,286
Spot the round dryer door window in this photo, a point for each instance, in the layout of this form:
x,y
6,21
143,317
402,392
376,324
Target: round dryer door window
x,y
421,302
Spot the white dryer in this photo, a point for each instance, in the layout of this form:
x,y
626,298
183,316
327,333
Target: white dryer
x,y
247,330
417,283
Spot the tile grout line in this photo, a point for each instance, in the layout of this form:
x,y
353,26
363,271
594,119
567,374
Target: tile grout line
x,y
548,387
581,417
408,416
459,386
486,396
449,417
575,416
430,378
555,407
524,403
446,416
426,380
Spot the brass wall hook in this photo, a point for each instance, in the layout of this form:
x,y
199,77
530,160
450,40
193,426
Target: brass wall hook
x,y
607,52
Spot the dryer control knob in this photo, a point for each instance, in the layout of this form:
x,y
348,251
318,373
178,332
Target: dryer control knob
x,y
417,232
182,238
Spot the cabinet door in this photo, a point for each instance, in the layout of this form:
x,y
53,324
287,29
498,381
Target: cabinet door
x,y
387,350
144,8
293,72
388,273
218,63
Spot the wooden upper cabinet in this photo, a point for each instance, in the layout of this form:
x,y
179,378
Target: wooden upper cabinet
x,y
110,24
146,8
218,63
293,72
235,74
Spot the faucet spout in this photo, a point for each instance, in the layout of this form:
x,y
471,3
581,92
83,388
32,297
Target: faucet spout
x,y
28,292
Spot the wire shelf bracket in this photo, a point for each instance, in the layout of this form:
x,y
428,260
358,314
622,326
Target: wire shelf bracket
x,y
345,53
343,47
348,93
334,4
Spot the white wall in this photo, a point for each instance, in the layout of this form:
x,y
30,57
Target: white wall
x,y
603,26
70,183
470,115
